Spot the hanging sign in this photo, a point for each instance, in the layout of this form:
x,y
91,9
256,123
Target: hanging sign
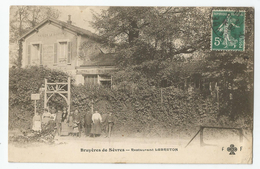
x,y
35,97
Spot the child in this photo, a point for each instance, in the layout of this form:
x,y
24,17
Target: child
x,y
37,123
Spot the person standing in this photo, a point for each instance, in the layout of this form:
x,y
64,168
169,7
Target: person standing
x,y
77,120
71,120
64,114
105,123
87,123
46,116
97,119
58,121
110,121
53,113
37,123
53,110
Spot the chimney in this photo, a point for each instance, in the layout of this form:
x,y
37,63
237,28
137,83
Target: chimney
x,y
69,20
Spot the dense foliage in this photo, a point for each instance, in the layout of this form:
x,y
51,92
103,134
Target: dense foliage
x,y
145,110
153,112
23,83
158,45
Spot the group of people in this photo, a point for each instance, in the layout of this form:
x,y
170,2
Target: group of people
x,y
67,123
73,123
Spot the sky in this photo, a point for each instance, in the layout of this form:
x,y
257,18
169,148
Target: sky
x,y
80,15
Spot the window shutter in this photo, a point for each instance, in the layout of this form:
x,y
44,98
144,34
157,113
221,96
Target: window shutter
x,y
29,54
69,53
41,60
55,54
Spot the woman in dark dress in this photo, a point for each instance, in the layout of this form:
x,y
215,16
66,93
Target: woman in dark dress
x,y
87,123
64,114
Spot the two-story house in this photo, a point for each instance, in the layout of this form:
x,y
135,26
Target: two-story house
x,y
60,45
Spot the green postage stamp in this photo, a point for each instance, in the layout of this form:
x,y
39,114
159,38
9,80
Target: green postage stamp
x,y
228,30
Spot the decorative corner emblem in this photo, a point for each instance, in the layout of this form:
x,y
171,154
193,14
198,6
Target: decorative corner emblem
x,y
232,149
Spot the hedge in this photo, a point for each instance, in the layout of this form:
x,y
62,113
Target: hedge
x,y
138,111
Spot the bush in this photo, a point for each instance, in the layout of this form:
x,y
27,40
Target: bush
x,y
139,110
23,83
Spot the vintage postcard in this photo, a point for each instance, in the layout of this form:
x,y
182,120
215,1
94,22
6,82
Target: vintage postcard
x,y
131,84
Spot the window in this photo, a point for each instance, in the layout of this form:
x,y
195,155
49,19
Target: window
x,y
105,80
34,54
62,52
47,54
91,79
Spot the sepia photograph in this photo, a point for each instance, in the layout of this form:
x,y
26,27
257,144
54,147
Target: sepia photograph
x,y
128,84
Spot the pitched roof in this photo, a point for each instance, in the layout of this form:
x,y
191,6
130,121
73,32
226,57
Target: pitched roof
x,y
73,28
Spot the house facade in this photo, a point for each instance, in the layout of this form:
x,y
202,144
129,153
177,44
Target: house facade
x,y
63,46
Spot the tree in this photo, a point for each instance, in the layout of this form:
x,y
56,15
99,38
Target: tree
x,y
148,38
24,18
155,44
125,24
234,73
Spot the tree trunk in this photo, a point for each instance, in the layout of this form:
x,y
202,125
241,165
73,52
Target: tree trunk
x,y
20,54
20,51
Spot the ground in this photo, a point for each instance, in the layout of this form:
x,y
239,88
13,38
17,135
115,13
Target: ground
x,y
74,149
